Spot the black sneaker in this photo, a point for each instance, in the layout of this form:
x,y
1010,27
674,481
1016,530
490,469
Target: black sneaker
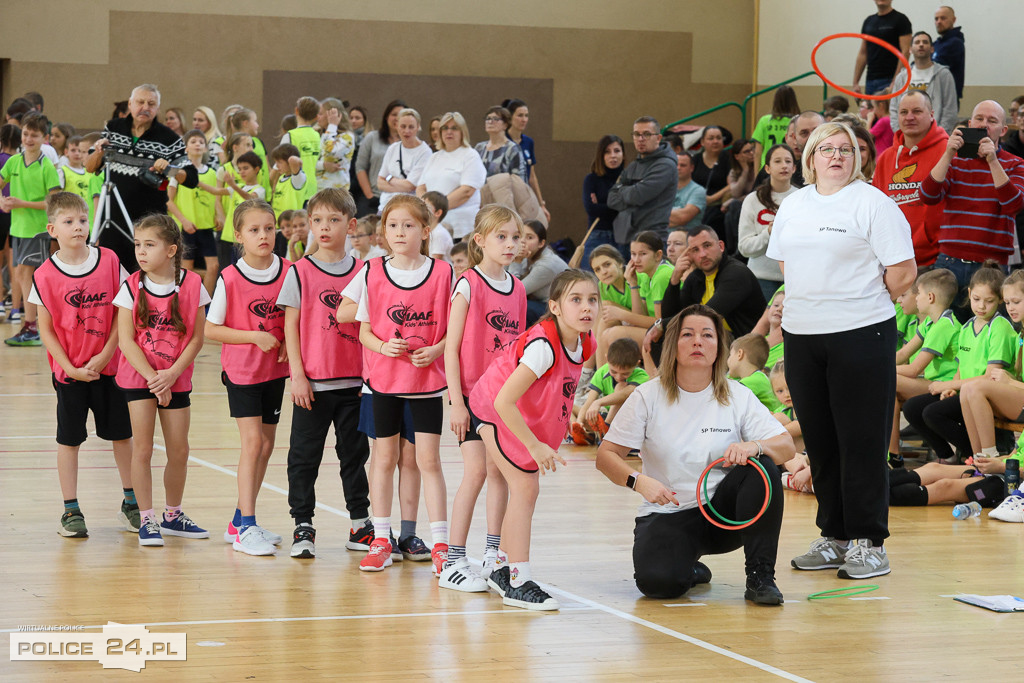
x,y
761,588
529,596
304,541
396,552
413,548
500,580
361,538
895,461
701,573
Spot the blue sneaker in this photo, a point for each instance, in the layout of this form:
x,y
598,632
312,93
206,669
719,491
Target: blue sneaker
x,y
149,533
25,337
183,526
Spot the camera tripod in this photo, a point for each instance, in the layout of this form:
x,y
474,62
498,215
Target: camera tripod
x,y
104,218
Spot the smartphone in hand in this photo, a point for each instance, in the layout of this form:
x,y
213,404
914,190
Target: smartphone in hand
x,y
972,136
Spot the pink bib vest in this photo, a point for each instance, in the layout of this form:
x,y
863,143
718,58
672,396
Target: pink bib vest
x,y
547,404
159,341
82,308
494,320
420,316
330,350
253,306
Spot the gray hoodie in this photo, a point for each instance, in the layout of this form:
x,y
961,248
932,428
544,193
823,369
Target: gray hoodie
x,y
941,89
644,193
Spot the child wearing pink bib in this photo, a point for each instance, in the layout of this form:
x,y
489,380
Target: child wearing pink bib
x,y
160,333
488,313
524,401
404,321
245,318
74,290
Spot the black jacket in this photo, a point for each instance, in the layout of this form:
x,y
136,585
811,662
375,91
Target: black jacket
x,y
738,297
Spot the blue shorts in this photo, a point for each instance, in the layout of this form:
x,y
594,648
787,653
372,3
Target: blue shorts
x,y
366,423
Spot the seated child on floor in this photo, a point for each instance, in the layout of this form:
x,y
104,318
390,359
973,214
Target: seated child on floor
x,y
747,357
796,474
610,386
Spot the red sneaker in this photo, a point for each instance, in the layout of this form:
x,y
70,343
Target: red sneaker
x,y
439,555
379,556
580,437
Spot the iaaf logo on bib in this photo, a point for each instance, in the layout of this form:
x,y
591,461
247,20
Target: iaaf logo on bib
x,y
264,308
400,314
329,298
80,298
499,320
569,387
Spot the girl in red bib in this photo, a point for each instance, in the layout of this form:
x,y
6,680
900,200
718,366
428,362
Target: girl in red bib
x,y
160,333
244,317
404,320
488,314
524,401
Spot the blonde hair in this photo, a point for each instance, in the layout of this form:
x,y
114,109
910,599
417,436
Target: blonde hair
x,y
670,350
59,202
409,111
488,219
214,130
334,198
415,206
247,206
460,122
818,135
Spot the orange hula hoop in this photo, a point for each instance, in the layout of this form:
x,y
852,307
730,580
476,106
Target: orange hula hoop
x,y
743,525
870,39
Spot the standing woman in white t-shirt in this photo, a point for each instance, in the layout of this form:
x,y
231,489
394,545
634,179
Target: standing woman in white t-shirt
x,y
405,160
845,252
681,422
457,172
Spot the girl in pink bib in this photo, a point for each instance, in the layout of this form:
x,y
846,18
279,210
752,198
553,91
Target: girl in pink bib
x,y
488,314
245,318
404,321
160,334
524,401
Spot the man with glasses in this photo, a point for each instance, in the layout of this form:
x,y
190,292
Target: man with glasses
x,y
983,192
646,189
1014,140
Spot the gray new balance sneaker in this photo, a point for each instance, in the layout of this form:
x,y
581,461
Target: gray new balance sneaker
x,y
864,561
824,553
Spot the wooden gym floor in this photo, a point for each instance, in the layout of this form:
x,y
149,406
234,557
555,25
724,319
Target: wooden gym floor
x,y
277,618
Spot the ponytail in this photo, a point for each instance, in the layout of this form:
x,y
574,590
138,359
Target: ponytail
x,y
488,219
167,231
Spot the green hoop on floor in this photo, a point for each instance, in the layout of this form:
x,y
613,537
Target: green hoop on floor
x,y
842,592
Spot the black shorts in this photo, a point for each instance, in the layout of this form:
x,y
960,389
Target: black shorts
x,y
261,400
366,424
109,409
474,424
5,229
200,244
179,399
427,415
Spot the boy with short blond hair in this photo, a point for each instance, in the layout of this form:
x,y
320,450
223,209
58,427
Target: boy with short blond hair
x,y
609,388
74,290
747,357
31,176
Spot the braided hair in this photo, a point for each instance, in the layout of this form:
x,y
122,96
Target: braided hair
x,y
168,232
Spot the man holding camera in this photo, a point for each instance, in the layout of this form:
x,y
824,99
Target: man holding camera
x,y
983,186
139,150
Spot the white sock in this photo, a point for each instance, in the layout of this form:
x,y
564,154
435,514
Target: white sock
x,y
500,559
439,532
990,452
519,573
382,528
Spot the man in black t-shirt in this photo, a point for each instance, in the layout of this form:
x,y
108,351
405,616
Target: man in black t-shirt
x,y
894,28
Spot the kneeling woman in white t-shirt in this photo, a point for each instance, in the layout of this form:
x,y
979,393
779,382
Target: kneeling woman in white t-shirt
x,y
690,416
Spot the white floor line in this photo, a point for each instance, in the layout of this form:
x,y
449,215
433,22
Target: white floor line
x,y
343,617
878,598
685,604
767,668
47,436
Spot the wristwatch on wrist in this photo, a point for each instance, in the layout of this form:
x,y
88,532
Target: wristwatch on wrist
x,y
657,323
631,480
389,177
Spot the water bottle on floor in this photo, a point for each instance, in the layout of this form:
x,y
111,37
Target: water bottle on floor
x,y
967,510
1012,476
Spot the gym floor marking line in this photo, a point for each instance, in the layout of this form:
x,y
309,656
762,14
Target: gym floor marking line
x,y
342,617
767,668
685,604
871,598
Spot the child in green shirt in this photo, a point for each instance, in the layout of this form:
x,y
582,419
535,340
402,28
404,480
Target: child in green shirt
x,y
609,388
747,357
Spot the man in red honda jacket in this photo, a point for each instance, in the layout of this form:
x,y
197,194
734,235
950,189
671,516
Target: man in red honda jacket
x,y
917,146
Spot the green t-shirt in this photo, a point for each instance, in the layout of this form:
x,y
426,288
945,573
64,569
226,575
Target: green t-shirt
x,y
906,326
603,383
759,383
941,340
769,132
609,293
995,344
308,142
30,184
1003,342
652,289
775,354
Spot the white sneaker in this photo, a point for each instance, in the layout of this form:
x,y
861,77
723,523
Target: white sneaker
x,y
490,564
1010,510
272,538
252,542
460,577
